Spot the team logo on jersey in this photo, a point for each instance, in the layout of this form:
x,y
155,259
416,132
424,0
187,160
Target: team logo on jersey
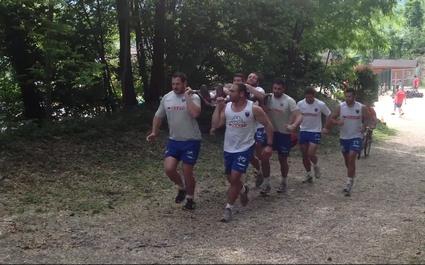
x,y
281,104
357,111
247,114
237,122
316,110
183,99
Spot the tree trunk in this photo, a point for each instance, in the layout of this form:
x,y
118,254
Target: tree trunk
x,y
141,56
107,83
99,43
23,56
48,65
126,74
157,73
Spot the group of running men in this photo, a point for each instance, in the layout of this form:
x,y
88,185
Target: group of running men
x,y
256,124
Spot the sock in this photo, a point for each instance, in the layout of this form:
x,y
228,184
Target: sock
x,y
189,197
350,180
284,180
229,206
243,190
183,182
180,187
266,181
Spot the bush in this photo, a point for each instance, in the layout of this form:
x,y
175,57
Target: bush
x,y
366,84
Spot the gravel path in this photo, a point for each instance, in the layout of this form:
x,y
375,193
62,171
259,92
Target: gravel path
x,y
382,222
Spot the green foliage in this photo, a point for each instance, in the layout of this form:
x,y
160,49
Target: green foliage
x,y
414,14
208,40
10,96
366,84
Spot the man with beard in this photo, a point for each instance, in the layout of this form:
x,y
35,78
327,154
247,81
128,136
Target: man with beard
x,y
240,116
352,117
285,116
181,107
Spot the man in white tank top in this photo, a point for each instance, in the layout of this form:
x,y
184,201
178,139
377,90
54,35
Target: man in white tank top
x,y
352,118
240,116
253,80
285,117
310,131
181,107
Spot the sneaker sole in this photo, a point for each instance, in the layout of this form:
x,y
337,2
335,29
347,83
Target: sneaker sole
x,y
265,193
310,180
188,209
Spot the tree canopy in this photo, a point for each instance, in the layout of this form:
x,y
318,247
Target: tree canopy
x,y
82,57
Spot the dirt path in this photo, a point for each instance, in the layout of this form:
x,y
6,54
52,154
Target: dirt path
x,y
383,221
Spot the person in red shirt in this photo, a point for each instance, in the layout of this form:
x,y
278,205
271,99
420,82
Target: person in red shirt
x,y
416,82
399,98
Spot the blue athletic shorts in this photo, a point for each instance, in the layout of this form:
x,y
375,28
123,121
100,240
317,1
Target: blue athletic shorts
x,y
237,161
186,151
309,137
348,145
261,136
282,143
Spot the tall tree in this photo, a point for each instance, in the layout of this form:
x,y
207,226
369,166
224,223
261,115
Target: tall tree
x,y
23,54
157,83
126,74
141,56
414,14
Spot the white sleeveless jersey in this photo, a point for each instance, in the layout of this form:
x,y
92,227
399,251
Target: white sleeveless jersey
x,y
240,128
352,117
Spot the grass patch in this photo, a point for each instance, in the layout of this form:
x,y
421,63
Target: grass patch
x,y
382,132
91,174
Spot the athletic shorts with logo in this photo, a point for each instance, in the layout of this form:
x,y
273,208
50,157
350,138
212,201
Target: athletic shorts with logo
x,y
261,136
282,143
186,151
309,137
348,145
237,161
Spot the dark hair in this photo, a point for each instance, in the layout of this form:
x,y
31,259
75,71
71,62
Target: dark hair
x,y
310,91
239,75
260,77
350,90
280,81
243,88
180,75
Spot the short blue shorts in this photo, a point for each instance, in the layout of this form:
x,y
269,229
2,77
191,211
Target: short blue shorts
x,y
186,151
348,145
261,136
309,137
238,161
282,143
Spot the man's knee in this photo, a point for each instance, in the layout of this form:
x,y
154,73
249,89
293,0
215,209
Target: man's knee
x,y
235,179
170,170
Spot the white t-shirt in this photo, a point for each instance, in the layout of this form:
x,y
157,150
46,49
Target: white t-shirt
x,y
182,126
240,128
259,89
353,121
312,115
279,111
